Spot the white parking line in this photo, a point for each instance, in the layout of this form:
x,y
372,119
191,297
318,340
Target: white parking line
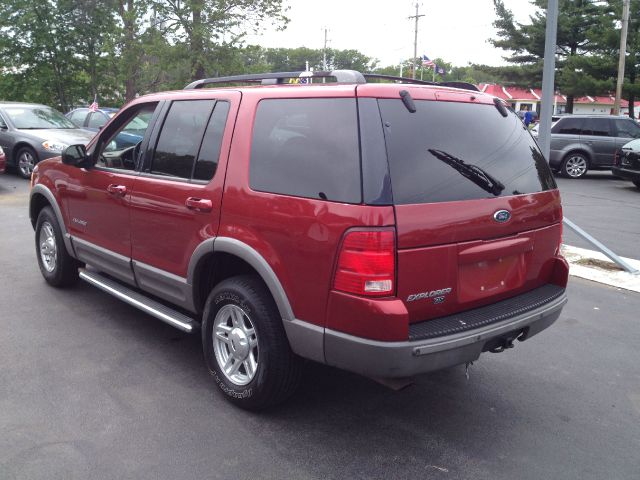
x,y
595,266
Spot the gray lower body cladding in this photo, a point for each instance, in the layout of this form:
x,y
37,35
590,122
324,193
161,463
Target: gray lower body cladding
x,y
404,359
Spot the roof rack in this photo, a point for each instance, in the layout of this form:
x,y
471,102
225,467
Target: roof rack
x,y
341,76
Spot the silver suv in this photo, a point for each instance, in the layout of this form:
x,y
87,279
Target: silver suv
x,y
588,142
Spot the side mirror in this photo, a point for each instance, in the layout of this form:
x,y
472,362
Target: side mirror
x,y
76,155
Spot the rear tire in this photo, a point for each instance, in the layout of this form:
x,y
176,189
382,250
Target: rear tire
x,y
636,183
574,165
58,268
245,345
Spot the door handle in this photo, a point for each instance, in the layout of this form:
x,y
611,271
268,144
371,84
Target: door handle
x,y
199,204
120,190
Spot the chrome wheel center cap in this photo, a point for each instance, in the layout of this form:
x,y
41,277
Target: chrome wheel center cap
x,y
239,344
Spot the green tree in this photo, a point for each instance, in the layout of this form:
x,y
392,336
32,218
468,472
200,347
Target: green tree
x,y
580,23
205,25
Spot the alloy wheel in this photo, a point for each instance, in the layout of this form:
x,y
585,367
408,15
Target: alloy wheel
x,y
48,247
576,166
26,162
235,344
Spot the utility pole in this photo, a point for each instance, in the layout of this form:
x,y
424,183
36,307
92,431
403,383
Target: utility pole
x,y
621,59
415,40
324,52
548,77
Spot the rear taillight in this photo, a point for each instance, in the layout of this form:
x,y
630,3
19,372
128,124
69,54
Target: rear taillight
x,y
367,263
616,157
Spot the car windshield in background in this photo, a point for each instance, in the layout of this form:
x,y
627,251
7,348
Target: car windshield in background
x,y
31,118
448,151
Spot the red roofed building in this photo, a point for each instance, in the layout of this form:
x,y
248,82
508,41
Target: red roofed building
x,y
529,99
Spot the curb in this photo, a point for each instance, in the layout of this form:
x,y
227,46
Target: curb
x,y
595,266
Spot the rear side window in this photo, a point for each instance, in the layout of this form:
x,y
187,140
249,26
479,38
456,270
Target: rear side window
x,y
180,138
307,148
568,126
207,162
448,151
598,127
627,128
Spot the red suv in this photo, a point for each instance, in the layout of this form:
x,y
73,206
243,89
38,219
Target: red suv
x,y
388,229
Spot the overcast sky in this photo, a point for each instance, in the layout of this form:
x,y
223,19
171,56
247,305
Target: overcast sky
x,y
454,30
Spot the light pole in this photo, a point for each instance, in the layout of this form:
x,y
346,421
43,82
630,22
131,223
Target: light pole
x,y
622,57
548,74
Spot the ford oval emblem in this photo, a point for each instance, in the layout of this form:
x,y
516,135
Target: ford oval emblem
x,y
502,216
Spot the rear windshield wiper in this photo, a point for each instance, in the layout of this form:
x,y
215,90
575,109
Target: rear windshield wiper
x,y
468,170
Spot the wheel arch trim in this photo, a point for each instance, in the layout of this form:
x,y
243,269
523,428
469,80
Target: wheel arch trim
x,y
253,258
51,200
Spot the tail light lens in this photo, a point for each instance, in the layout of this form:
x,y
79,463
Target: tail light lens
x,y
616,158
367,263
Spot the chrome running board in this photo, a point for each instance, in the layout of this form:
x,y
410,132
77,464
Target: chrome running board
x,y
138,300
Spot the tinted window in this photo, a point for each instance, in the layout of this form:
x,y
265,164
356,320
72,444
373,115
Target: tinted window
x,y
449,151
97,120
627,128
210,151
180,138
307,148
599,127
78,117
568,126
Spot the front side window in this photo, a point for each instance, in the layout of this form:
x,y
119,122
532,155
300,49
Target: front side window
x,y
180,138
78,116
29,117
120,149
627,128
97,120
307,148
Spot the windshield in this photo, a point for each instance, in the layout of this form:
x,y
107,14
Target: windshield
x,y
448,151
36,117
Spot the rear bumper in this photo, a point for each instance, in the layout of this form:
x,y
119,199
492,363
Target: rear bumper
x,y
626,173
404,359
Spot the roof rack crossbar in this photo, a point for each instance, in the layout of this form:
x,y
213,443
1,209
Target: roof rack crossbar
x,y
399,79
341,76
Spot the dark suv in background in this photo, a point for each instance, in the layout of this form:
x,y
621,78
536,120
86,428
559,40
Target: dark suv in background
x,y
348,223
589,142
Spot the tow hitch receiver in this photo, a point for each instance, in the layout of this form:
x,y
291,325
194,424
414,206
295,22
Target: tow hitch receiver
x,y
504,342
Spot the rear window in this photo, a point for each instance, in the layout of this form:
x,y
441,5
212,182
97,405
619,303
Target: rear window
x,y
307,148
448,151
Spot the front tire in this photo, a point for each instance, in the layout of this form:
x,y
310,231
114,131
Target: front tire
x,y
636,183
26,160
575,165
245,345
58,268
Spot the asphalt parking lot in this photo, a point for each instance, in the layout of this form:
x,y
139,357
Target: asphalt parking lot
x,y
90,388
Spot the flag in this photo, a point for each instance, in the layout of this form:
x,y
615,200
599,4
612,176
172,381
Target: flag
x,y
426,62
94,106
440,70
